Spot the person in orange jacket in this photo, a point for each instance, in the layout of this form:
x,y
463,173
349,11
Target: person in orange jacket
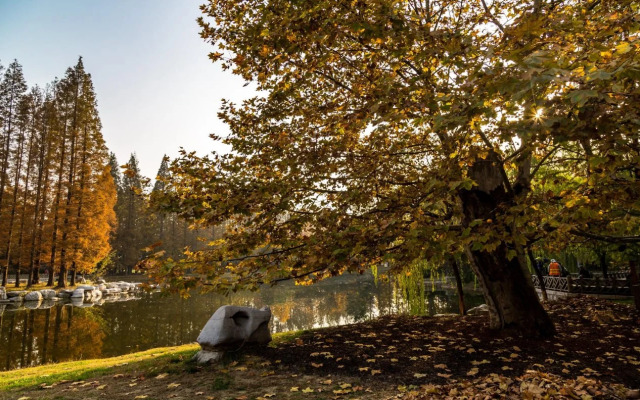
x,y
554,268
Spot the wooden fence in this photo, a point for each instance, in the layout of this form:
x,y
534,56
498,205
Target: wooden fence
x,y
618,283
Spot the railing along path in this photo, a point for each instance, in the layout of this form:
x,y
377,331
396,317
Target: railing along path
x,y
617,283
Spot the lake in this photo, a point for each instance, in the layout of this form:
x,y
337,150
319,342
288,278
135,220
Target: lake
x,y
64,332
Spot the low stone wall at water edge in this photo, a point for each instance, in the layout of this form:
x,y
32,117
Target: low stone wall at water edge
x,y
80,296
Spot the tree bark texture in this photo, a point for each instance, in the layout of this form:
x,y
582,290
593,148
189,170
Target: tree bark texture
x,y
543,288
506,284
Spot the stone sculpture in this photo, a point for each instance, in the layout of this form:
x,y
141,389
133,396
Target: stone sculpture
x,y
229,328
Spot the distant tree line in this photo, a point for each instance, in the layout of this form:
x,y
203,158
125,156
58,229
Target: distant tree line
x,y
66,208
57,196
142,227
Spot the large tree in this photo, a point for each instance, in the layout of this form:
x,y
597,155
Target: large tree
x,y
395,130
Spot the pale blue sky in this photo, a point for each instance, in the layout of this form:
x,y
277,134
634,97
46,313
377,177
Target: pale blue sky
x,y
156,88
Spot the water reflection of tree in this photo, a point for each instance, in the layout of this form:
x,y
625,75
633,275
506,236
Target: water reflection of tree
x,y
26,338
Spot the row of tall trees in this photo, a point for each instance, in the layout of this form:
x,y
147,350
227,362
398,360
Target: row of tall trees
x,y
57,196
143,227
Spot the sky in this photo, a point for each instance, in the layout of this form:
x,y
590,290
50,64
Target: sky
x,y
157,90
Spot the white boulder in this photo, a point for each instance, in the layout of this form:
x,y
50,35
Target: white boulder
x,y
481,309
33,296
78,294
48,294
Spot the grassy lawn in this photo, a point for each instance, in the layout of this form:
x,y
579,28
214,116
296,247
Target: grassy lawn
x,y
84,369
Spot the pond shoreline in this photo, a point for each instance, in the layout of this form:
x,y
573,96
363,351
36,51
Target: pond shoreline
x,y
83,295
30,337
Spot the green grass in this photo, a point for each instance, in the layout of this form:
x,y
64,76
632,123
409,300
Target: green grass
x,y
629,301
85,369
39,286
154,361
287,337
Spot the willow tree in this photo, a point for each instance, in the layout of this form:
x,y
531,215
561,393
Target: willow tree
x,y
388,131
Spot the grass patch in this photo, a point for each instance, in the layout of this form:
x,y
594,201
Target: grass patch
x,y
39,286
221,383
163,359
629,301
285,337
81,370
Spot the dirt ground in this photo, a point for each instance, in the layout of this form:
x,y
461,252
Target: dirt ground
x,y
595,354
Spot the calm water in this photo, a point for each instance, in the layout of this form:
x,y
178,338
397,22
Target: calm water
x,y
64,332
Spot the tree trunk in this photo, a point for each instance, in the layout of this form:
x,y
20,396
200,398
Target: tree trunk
x,y
543,288
14,206
456,273
603,264
42,184
56,207
506,284
23,217
635,283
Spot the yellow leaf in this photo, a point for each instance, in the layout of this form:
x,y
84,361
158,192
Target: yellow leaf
x,y
375,371
623,48
294,389
172,385
101,387
417,375
472,372
161,376
441,366
307,390
142,396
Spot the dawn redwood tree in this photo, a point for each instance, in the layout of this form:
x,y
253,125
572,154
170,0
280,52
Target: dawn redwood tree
x,y
387,131
23,122
12,89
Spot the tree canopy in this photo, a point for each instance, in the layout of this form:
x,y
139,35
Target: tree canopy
x,y
387,131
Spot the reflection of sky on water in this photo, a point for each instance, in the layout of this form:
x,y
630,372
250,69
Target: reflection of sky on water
x,y
32,337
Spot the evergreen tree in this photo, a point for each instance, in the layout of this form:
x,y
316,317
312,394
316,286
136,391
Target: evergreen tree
x,y
12,89
132,221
